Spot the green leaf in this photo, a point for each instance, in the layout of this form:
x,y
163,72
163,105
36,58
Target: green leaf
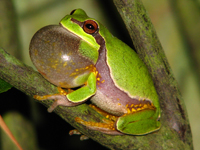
x,y
4,86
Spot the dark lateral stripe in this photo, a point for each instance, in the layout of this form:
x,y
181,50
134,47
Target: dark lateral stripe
x,y
99,39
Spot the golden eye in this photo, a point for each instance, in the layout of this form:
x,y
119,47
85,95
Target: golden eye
x,y
90,26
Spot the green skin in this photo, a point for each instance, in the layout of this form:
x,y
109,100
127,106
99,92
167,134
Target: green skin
x,y
125,74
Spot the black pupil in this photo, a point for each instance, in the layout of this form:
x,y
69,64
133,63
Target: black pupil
x,y
90,26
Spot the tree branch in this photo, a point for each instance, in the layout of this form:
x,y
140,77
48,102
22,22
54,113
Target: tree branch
x,y
174,115
175,131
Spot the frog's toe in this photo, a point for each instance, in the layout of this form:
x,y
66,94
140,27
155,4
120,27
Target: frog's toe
x,y
76,132
60,100
84,137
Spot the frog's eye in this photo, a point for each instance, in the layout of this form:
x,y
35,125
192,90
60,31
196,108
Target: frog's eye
x,y
71,13
90,26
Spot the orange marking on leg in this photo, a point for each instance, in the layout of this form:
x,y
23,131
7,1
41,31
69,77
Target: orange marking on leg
x,y
104,113
60,90
91,124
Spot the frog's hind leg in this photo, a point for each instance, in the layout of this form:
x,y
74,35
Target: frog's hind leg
x,y
104,113
106,126
138,123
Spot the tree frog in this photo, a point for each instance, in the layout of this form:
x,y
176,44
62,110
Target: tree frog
x,y
81,55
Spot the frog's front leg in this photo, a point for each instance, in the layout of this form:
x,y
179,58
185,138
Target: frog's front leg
x,y
72,98
60,99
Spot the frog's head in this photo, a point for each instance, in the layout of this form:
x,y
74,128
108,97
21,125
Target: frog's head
x,y
83,26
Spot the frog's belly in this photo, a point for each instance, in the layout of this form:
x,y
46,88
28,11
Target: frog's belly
x,y
108,96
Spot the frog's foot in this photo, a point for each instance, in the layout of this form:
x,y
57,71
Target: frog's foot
x,y
60,99
76,132
107,126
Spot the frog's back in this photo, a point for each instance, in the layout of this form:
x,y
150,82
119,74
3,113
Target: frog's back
x,y
128,71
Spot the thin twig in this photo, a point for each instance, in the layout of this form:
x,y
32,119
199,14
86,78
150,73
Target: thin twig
x,y
9,133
